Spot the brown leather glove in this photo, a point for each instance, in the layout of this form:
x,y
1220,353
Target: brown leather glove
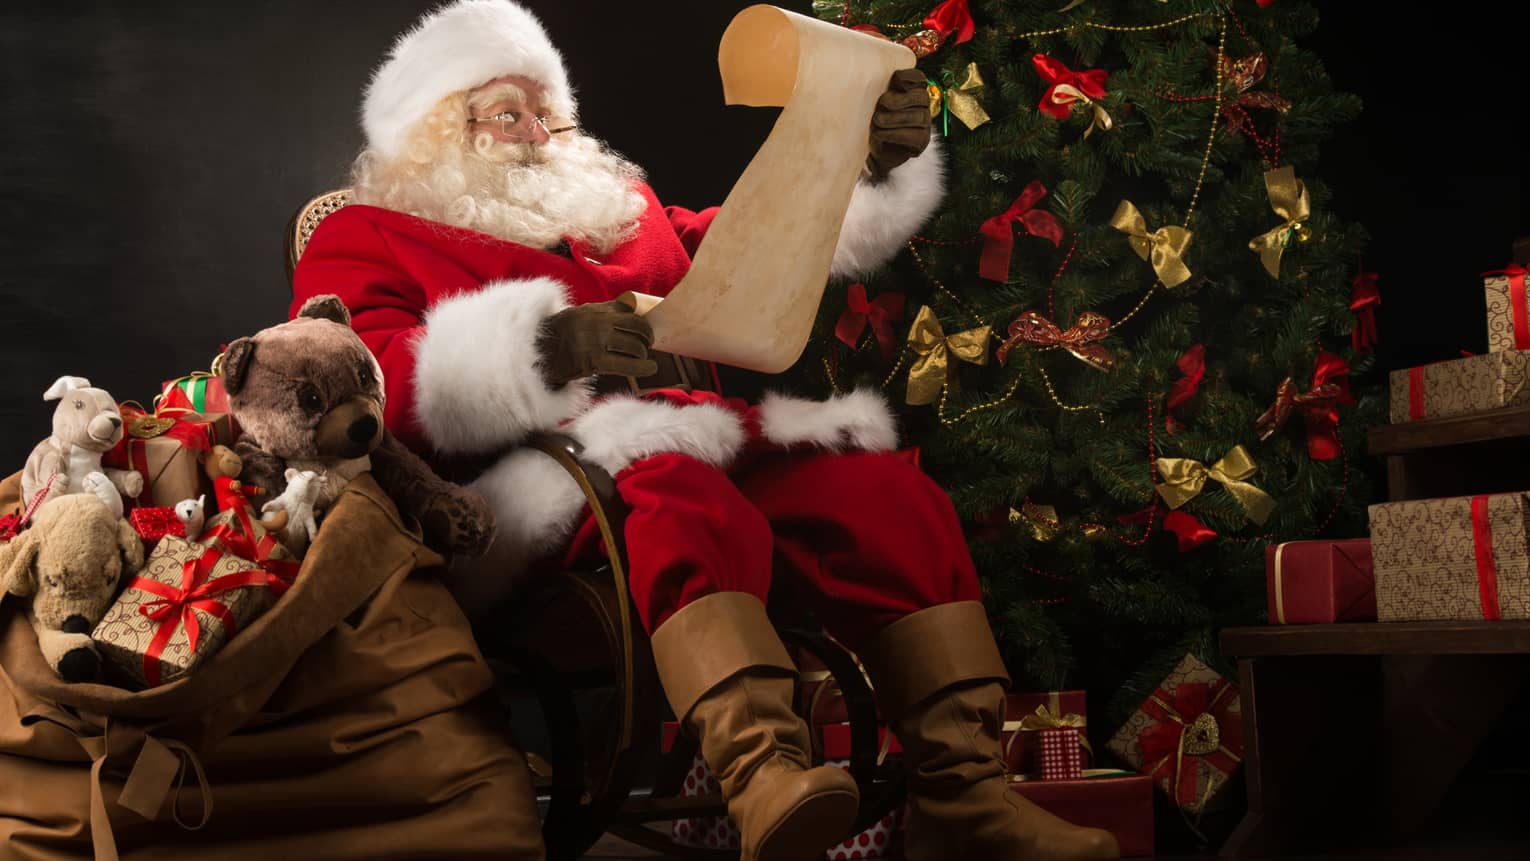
x,y
597,338
900,128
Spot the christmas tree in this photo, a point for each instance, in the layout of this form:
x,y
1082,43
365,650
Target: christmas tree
x,y
1125,342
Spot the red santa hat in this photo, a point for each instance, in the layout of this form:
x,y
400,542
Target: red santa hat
x,y
455,48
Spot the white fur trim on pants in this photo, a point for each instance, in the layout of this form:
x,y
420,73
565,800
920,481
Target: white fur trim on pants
x,y
477,376
858,420
882,216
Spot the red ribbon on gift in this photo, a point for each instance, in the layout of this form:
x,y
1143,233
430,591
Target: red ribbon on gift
x,y
1364,297
242,543
1516,275
1191,725
878,313
180,424
1416,409
999,232
1056,74
950,17
176,607
1192,363
1487,569
1319,405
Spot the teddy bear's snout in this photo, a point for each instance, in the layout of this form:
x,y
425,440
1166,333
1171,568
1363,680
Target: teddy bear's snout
x,y
362,430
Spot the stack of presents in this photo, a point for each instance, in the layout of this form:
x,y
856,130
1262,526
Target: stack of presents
x,y
1185,740
210,565
1453,558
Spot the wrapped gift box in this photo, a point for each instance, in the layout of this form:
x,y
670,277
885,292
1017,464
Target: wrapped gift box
x,y
166,449
1027,714
1187,735
1117,801
1508,320
1462,557
1475,384
180,609
1316,582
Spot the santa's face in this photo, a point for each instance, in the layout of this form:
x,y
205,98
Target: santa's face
x,y
497,160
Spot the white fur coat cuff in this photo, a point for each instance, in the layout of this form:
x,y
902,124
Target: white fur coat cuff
x,y
882,216
478,381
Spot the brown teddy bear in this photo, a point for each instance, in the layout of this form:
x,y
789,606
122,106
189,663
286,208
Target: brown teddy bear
x,y
69,562
309,396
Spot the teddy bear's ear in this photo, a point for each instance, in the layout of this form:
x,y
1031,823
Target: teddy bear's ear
x,y
63,385
236,364
131,546
18,564
327,307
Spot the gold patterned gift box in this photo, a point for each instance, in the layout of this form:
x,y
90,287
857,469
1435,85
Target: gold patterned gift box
x,y
1475,384
1508,317
1463,557
1187,735
185,603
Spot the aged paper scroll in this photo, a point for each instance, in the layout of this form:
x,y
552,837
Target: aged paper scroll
x,y
754,287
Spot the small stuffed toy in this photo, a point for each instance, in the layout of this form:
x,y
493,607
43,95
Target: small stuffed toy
x,y
69,563
86,423
304,486
309,396
192,515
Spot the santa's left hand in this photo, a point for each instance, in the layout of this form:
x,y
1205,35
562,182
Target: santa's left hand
x,y
900,127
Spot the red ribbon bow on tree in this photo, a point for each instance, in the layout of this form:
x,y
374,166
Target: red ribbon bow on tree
x,y
1364,296
999,235
177,607
1192,363
1189,532
1192,727
1032,328
1320,406
878,313
1057,104
950,17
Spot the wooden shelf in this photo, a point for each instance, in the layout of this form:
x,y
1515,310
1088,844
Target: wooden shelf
x,y
1380,638
1511,423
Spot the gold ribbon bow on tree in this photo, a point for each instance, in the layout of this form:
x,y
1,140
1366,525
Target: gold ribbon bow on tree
x,y
1032,328
1067,94
934,369
961,100
1164,247
1288,197
1184,478
1043,520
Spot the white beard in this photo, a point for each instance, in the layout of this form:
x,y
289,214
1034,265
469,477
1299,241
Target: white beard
x,y
572,187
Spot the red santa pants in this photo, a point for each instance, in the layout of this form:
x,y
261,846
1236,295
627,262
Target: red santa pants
x,y
863,539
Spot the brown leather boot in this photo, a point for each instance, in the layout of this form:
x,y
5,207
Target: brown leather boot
x,y
939,678
731,682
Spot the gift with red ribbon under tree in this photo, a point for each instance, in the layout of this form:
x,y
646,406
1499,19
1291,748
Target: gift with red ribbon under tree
x,y
185,603
1462,557
1475,384
1120,802
1187,735
1508,304
1050,720
165,447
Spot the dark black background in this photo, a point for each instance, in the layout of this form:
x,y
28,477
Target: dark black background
x,y
151,153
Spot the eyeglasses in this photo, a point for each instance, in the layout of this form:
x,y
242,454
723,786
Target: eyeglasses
x,y
521,125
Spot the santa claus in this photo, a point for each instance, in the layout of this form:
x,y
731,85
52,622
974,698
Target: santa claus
x,y
488,238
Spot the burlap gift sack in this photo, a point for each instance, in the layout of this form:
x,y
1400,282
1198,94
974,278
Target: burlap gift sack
x,y
347,722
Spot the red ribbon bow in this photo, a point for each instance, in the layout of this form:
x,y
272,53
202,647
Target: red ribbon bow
x,y
1190,532
878,313
1169,744
242,543
1091,83
176,607
999,235
1032,328
1364,296
950,17
1320,406
1192,363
